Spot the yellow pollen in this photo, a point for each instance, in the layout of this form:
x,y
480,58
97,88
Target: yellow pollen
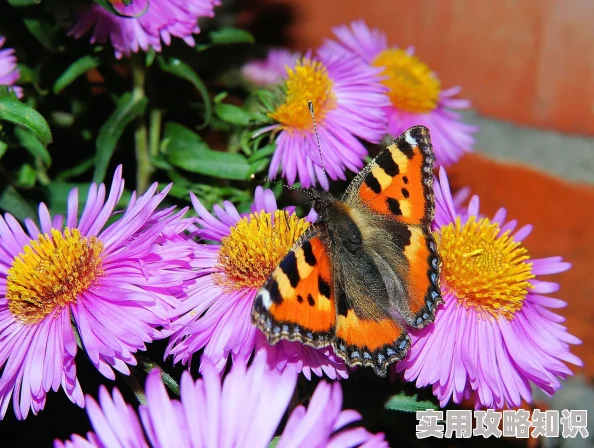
x,y
484,270
255,246
473,253
413,86
309,80
51,272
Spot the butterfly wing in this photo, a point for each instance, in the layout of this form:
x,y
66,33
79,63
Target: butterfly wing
x,y
366,333
297,301
394,194
399,181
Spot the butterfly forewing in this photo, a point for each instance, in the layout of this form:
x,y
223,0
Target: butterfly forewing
x,y
297,301
399,181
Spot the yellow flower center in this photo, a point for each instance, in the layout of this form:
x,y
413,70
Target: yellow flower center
x,y
484,270
255,246
413,87
309,80
51,272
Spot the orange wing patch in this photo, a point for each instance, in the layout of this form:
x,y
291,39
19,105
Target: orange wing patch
x,y
368,342
417,255
423,276
297,301
371,334
398,182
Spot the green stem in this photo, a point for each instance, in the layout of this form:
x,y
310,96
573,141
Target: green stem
x,y
135,386
144,168
155,132
42,173
147,365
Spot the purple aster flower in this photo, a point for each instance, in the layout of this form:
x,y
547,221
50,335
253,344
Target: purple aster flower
x,y
415,91
348,100
147,23
215,314
212,414
113,282
271,70
9,73
496,332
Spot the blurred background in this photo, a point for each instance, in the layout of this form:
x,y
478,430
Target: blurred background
x,y
525,62
527,66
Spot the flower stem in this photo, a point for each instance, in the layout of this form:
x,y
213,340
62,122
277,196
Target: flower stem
x,y
147,365
135,386
144,168
155,132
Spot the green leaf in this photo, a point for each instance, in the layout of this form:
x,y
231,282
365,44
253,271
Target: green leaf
x,y
127,109
182,70
76,69
26,176
19,113
230,35
185,149
76,170
33,145
220,97
12,202
269,98
408,403
233,114
3,148
265,151
43,30
258,166
274,442
150,57
27,74
23,2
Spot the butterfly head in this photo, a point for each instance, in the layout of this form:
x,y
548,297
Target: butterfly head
x,y
321,201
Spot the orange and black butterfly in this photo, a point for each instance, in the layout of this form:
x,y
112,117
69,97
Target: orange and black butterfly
x,y
368,268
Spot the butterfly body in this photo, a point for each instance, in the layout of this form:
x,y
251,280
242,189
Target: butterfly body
x,y
368,267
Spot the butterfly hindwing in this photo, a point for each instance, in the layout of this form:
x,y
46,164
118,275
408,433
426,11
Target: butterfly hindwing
x,y
367,335
297,302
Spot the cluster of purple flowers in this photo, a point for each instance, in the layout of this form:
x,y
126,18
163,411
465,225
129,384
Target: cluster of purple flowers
x,y
109,281
362,89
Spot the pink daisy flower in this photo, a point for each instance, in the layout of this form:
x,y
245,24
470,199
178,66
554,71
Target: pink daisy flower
x,y
348,100
415,92
496,333
147,23
212,414
112,282
9,73
271,70
215,314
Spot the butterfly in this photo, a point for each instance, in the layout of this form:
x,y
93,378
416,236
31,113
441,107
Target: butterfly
x,y
368,268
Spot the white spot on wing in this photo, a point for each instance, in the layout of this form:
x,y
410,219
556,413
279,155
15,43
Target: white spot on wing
x,y
409,139
265,296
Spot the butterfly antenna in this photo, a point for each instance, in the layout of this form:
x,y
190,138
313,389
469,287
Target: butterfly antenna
x,y
264,179
313,118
